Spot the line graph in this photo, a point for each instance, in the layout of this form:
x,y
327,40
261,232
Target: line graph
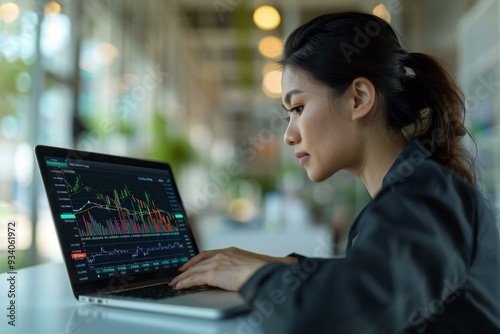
x,y
110,257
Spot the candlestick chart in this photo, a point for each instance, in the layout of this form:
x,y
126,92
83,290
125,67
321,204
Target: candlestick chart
x,y
107,209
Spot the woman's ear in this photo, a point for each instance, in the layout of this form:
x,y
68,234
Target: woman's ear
x,y
363,92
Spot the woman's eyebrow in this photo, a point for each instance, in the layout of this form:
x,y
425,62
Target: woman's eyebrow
x,y
288,95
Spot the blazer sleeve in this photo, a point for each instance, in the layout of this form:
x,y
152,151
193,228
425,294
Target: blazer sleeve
x,y
409,255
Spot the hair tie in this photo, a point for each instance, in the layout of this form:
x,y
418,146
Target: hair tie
x,y
408,72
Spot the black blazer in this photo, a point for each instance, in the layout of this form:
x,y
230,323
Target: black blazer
x,y
423,257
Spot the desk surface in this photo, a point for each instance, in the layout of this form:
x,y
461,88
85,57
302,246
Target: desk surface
x,y
45,304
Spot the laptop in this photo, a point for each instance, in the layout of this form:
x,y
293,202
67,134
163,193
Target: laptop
x,y
123,232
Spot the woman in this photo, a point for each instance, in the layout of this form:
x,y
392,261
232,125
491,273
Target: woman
x,y
423,256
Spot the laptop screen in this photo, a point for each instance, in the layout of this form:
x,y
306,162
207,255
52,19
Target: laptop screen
x,y
115,218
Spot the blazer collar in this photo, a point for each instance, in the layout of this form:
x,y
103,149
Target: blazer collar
x,y
412,156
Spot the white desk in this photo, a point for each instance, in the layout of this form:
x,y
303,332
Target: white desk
x,y
46,305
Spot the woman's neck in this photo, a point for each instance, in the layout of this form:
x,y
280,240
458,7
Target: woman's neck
x,y
380,153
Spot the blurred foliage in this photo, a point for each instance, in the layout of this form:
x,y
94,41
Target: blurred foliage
x,y
126,128
8,89
267,183
243,25
170,144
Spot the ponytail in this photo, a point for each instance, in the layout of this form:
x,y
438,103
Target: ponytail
x,y
439,107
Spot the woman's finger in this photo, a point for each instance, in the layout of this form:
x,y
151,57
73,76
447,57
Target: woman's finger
x,y
201,257
224,269
194,279
194,269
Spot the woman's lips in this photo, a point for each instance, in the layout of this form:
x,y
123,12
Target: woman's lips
x,y
303,157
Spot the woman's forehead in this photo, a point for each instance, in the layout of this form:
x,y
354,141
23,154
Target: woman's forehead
x,y
297,79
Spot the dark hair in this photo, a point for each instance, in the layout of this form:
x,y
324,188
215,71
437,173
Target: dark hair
x,y
416,90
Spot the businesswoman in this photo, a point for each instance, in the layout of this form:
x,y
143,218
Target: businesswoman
x,y
423,256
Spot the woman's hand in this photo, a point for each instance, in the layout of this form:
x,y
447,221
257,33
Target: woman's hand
x,y
226,268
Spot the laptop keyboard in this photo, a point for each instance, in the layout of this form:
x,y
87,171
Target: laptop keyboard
x,y
160,291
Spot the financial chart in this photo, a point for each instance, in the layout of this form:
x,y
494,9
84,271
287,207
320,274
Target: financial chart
x,y
111,211
120,222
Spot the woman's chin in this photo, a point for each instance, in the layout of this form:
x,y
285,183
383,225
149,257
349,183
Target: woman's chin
x,y
317,177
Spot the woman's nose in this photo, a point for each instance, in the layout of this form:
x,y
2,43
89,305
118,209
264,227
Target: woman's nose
x,y
292,136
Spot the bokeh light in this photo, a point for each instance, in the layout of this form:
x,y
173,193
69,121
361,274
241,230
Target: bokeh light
x,y
9,12
382,12
270,46
270,66
241,210
52,8
266,18
271,84
95,56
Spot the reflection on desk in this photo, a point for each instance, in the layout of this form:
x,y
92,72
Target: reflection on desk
x,y
45,304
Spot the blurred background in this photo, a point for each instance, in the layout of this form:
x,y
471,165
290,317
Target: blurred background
x,y
193,82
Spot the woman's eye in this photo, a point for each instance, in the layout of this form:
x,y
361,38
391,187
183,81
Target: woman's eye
x,y
296,109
